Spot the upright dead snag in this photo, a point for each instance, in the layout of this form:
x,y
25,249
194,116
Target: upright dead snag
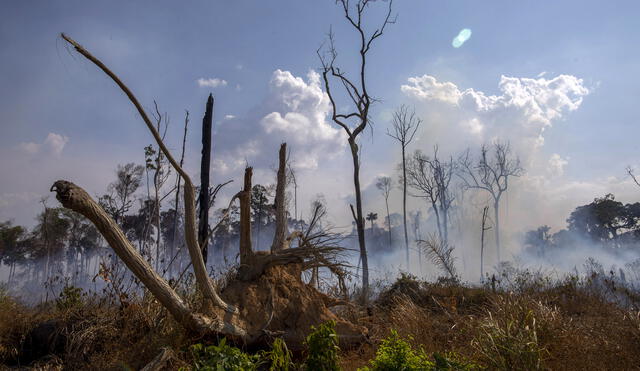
x,y
205,164
246,252
281,204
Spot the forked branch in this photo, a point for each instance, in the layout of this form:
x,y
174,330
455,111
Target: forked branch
x,y
205,285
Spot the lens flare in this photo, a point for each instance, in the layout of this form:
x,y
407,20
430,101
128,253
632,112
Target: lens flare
x,y
462,37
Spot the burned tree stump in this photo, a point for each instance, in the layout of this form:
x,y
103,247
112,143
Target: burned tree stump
x,y
268,296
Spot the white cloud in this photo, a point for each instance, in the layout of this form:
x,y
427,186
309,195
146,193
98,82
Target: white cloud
x,y
229,117
52,145
212,82
520,114
557,164
294,111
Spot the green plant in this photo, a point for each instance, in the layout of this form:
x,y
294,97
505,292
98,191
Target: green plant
x,y
322,345
452,361
70,297
396,354
279,358
221,357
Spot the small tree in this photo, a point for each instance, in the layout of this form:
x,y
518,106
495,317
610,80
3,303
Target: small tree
x,y
421,178
120,197
405,125
384,185
491,173
442,172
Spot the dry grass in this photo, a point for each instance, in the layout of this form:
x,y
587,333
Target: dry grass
x,y
532,324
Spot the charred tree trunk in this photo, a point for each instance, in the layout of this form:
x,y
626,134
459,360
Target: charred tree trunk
x,y
360,220
485,210
205,164
246,252
404,204
496,215
281,209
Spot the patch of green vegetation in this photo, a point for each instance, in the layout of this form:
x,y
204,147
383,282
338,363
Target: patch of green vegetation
x,y
221,357
323,348
70,297
279,358
396,354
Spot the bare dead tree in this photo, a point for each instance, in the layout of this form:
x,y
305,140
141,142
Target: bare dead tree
x,y
405,124
355,121
491,173
484,228
421,178
417,235
442,172
161,173
384,185
177,197
205,166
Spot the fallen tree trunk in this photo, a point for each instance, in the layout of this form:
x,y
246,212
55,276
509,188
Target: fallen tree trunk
x,y
77,199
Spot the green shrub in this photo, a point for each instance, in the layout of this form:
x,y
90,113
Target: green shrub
x,y
452,361
221,357
396,354
279,358
323,348
70,297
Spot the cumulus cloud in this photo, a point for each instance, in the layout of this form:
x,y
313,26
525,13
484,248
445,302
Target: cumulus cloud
x,y
53,144
211,82
520,114
557,164
295,112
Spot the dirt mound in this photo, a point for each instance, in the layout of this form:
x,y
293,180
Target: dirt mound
x,y
279,303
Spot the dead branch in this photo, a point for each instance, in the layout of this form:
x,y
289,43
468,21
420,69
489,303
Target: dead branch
x,y
205,285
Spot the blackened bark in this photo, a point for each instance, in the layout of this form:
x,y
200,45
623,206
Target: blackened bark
x,y
360,221
281,209
246,252
205,162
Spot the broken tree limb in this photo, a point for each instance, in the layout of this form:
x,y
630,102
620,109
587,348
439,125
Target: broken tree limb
x,y
205,285
75,198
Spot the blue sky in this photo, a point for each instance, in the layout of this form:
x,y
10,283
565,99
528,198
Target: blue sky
x,y
62,118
